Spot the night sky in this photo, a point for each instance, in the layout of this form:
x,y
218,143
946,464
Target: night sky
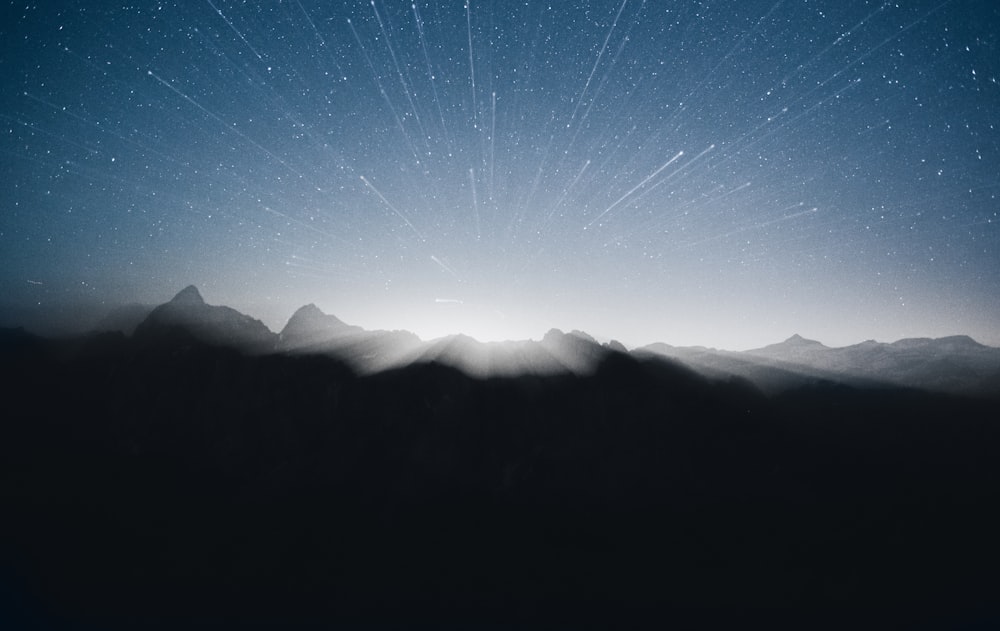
x,y
716,173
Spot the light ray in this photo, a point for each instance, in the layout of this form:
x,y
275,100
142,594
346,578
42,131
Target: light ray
x,y
235,30
634,189
395,210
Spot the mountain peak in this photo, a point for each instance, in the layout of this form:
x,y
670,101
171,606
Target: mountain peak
x,y
309,313
188,315
798,342
309,325
794,347
309,310
311,316
189,295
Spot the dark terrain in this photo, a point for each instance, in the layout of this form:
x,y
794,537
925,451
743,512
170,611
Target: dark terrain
x,y
168,479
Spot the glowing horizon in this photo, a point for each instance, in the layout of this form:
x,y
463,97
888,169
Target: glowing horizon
x,y
640,172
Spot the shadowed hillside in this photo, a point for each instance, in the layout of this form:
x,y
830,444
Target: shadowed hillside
x,y
207,469
181,482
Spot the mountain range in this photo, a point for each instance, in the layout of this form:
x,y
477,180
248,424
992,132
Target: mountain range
x,y
956,364
207,471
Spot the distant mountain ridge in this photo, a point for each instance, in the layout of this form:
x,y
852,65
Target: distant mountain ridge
x,y
162,473
187,314
954,364
795,345
309,325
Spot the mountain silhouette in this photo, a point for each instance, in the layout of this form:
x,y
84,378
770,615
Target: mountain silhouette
x,y
311,332
189,295
795,346
956,364
951,364
345,478
187,315
309,326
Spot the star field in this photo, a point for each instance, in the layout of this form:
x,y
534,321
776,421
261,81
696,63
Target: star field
x,y
710,173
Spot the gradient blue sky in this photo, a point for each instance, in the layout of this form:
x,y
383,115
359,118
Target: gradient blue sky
x,y
716,173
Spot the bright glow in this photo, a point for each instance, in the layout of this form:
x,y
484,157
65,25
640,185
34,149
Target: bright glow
x,y
642,171
451,316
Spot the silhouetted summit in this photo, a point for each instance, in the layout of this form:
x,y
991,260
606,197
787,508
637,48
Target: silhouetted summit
x,y
558,478
793,346
798,340
309,326
188,295
187,315
956,364
576,350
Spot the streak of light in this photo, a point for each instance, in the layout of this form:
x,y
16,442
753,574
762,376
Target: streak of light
x,y
225,125
886,41
319,36
59,137
391,207
635,188
445,267
235,30
839,39
305,225
472,66
597,62
385,95
493,134
731,52
756,226
399,73
670,176
566,191
102,128
475,203
430,73
600,86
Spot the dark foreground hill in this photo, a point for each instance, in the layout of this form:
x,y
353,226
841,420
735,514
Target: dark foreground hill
x,y
179,483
